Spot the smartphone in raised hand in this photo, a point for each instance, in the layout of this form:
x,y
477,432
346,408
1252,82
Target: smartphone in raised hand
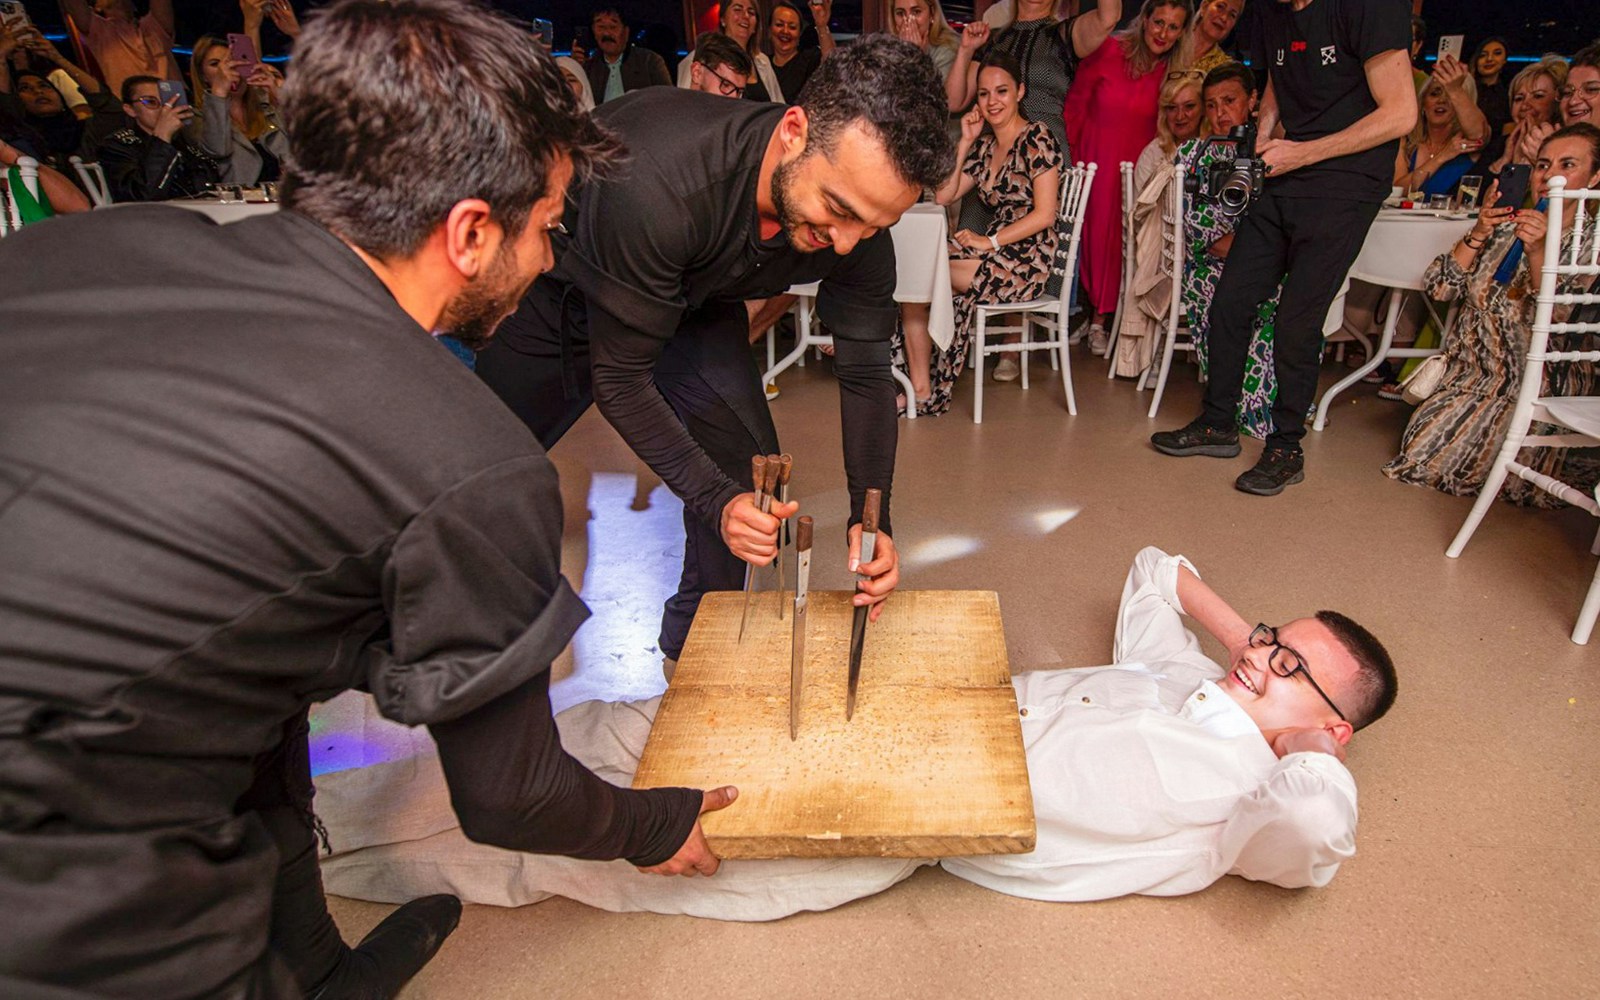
x,y
1450,45
166,90
1514,179
242,50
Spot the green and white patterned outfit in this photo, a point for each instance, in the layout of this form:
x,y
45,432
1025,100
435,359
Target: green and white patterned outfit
x,y
1203,225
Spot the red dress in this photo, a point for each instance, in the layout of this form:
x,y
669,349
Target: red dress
x,y
1110,117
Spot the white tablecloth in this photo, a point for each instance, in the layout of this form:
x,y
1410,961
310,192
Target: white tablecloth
x,y
225,212
923,261
1399,247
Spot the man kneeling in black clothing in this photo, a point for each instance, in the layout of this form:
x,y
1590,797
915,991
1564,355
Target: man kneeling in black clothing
x,y
1339,81
205,530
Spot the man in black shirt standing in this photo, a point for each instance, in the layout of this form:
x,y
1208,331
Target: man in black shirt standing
x,y
722,202
1339,82
206,527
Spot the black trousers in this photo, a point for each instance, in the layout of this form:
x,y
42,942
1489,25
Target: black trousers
x,y
709,377
1309,244
303,935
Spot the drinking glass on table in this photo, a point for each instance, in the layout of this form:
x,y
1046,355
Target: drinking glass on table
x,y
1470,191
1439,202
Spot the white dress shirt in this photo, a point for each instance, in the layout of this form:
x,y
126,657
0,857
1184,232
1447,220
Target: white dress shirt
x,y
1148,778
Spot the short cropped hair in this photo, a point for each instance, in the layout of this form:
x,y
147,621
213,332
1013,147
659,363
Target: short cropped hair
x,y
714,49
1589,56
395,111
130,82
608,8
1230,71
1376,683
891,89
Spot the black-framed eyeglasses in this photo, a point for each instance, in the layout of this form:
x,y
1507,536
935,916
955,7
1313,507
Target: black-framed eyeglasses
x,y
728,87
147,102
1285,662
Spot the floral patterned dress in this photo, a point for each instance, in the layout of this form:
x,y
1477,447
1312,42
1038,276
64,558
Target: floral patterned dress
x,y
1454,437
1203,226
1018,271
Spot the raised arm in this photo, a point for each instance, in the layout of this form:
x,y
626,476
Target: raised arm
x,y
961,83
1211,612
161,10
960,182
1089,31
79,11
1389,79
821,14
1452,75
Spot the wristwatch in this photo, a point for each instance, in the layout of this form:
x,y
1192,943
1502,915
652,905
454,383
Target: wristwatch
x,y
994,241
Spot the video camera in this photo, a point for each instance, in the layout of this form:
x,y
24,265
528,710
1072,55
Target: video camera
x,y
1233,179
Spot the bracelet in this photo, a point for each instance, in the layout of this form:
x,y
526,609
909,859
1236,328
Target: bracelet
x,y
994,241
1467,242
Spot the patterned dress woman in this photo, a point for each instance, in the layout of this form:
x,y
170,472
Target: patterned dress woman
x,y
1017,271
1203,226
1455,435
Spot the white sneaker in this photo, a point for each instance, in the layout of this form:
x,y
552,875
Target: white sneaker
x,y
1007,370
772,390
1098,341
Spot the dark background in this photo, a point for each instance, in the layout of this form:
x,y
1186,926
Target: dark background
x,y
1531,28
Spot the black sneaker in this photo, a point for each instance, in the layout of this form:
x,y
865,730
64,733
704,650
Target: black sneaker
x,y
1197,438
1277,468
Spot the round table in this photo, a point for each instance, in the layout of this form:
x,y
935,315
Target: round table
x,y
1398,249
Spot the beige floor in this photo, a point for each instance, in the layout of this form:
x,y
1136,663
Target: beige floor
x,y
1479,845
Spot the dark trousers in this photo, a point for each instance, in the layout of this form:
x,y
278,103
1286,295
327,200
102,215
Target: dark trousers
x,y
303,935
709,377
1310,244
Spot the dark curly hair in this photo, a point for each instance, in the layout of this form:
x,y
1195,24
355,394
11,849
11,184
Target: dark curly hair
x,y
397,110
892,90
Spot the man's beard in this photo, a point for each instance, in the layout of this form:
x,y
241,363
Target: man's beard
x,y
472,316
783,179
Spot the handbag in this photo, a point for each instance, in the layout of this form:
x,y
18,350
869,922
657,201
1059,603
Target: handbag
x,y
1423,382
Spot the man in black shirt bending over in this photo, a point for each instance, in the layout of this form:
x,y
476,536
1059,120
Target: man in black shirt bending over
x,y
1339,82
722,202
204,529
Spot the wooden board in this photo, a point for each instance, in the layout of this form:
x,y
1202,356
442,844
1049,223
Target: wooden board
x,y
931,766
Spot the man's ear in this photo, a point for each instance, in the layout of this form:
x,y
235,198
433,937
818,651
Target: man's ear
x,y
471,237
793,130
1341,731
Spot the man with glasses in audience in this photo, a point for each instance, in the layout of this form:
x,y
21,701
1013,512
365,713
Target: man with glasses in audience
x,y
239,476
721,66
723,202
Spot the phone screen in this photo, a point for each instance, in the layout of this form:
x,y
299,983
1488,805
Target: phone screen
x,y
1514,185
167,88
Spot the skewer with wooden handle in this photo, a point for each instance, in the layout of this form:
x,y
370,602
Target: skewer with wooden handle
x,y
785,466
763,503
858,624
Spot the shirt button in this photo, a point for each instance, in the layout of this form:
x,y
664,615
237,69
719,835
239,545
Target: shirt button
x,y
1024,711
1086,699
1201,696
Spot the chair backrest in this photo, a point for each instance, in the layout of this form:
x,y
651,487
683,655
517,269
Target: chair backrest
x,y
92,176
1582,259
1173,207
27,170
1076,182
10,215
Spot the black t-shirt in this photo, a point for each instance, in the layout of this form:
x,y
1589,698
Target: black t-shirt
x,y
1317,60
676,229
792,75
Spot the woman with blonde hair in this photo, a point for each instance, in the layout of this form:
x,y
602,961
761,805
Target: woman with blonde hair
x,y
1182,118
236,120
1213,24
1450,128
1110,116
746,23
1535,111
922,23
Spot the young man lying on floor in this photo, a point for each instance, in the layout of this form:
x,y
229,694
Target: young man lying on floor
x,y
1157,775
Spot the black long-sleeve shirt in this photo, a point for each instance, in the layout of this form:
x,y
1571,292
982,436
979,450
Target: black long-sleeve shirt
x,y
677,228
227,492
